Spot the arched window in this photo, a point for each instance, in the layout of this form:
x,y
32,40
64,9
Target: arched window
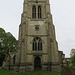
x,y
34,11
39,12
37,44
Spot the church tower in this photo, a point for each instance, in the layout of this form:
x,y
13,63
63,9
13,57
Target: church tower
x,y
37,48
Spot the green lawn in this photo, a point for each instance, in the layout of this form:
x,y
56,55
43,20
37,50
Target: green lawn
x,y
5,72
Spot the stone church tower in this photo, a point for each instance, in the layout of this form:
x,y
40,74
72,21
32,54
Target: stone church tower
x,y
37,48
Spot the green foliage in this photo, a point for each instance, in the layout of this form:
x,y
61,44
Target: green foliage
x,y
7,43
5,72
2,33
70,64
73,58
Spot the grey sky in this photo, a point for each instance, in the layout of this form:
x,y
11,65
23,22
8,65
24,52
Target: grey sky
x,y
63,12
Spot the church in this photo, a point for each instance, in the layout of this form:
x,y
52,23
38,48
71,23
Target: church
x,y
37,48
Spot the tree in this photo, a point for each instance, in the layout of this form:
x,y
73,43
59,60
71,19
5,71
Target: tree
x,y
73,55
7,43
73,61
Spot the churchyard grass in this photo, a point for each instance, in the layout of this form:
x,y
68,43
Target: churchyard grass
x,y
7,72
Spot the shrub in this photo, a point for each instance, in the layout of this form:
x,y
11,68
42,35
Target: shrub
x,y
66,71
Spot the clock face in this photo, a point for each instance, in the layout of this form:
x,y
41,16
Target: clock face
x,y
40,22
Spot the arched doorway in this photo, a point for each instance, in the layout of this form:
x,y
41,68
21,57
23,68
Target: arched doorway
x,y
37,63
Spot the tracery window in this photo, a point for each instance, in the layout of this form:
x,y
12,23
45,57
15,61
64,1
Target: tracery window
x,y
37,44
39,12
34,11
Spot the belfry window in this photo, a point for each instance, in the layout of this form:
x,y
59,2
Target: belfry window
x,y
34,11
37,44
39,12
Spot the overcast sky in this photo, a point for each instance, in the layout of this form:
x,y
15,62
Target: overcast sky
x,y
63,12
